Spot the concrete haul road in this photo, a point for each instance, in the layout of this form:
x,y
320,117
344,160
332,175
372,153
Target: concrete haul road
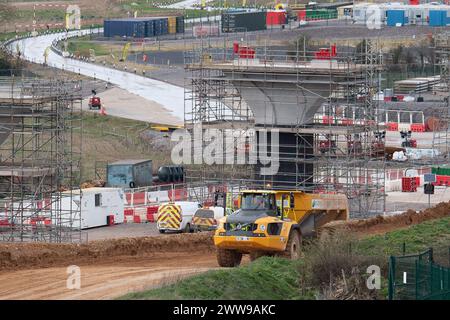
x,y
104,280
167,101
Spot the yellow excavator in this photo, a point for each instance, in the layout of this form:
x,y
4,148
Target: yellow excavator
x,y
272,222
125,50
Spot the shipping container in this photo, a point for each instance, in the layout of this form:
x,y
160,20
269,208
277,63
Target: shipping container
x,y
395,17
172,25
441,170
243,21
438,18
180,24
134,28
321,14
301,15
275,17
129,173
161,26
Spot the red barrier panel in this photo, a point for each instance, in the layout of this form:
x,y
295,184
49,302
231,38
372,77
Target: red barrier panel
x,y
417,127
392,126
151,217
409,184
327,119
246,53
442,180
347,122
152,209
177,194
139,198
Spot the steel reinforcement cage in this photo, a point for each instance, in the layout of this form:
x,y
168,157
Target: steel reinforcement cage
x,y
40,150
339,148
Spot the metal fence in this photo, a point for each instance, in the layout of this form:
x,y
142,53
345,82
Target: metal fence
x,y
418,277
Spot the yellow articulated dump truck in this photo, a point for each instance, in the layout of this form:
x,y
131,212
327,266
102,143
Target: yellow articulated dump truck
x,y
274,223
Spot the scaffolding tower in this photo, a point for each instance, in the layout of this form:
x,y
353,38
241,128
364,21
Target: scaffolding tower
x,y
320,104
40,149
441,138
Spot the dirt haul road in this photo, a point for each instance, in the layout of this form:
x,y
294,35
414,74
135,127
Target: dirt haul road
x,y
104,281
111,268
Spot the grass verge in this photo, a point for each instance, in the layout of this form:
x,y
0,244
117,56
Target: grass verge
x,y
266,278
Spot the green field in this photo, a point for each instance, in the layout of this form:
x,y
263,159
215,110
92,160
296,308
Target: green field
x,y
276,278
83,47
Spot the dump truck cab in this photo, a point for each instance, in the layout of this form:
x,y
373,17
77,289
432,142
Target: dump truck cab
x,y
274,222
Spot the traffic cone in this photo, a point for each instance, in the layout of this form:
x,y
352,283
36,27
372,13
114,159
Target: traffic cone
x,y
102,111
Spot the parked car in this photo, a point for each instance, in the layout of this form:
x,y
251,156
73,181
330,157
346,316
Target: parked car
x,y
206,219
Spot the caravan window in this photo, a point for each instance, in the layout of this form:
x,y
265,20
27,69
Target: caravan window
x,y
98,199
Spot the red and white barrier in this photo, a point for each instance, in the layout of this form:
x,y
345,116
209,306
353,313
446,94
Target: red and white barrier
x,y
141,214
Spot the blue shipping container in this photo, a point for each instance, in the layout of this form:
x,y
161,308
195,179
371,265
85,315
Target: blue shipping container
x,y
394,17
124,28
137,28
161,26
438,18
149,27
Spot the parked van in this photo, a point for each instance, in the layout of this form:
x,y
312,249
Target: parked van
x,y
176,216
206,219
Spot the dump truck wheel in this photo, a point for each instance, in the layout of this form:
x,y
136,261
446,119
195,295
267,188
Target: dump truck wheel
x,y
292,250
228,258
162,231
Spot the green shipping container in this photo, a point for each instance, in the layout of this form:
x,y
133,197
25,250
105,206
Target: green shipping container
x,y
321,14
441,171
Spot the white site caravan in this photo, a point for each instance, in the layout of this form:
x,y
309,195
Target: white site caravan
x,y
95,207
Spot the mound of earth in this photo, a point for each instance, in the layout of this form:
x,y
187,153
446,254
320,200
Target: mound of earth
x,y
20,255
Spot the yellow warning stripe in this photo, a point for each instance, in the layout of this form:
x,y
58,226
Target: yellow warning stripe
x,y
171,215
203,221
